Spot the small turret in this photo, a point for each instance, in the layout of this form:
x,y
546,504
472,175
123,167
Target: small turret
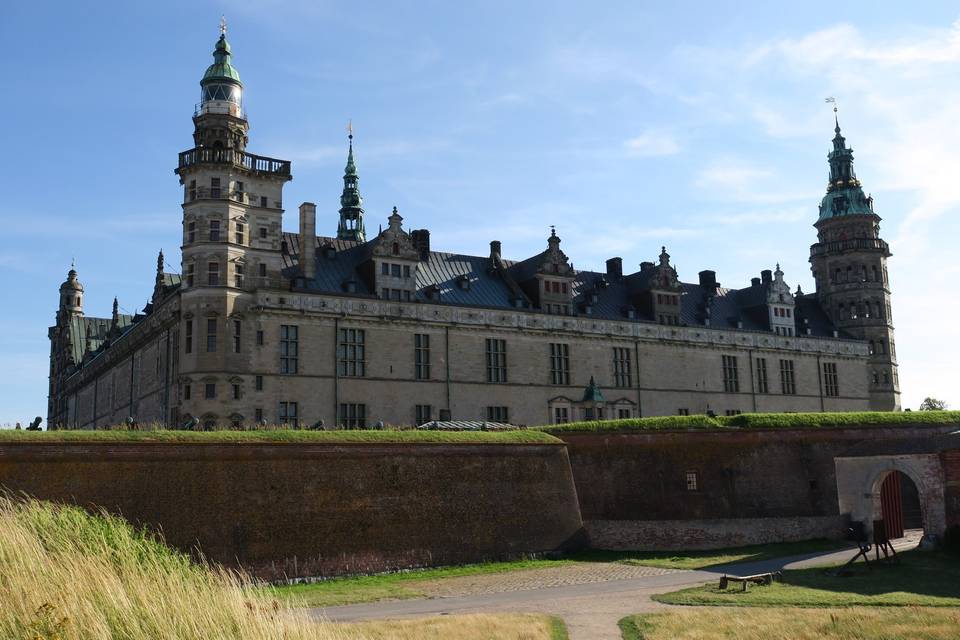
x,y
221,89
71,295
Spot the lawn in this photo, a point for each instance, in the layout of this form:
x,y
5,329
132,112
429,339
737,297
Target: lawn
x,y
404,585
522,436
915,623
924,578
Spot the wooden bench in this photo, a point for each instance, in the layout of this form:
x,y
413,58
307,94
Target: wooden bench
x,y
760,578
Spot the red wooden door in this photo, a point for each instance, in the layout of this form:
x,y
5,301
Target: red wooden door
x,y
891,505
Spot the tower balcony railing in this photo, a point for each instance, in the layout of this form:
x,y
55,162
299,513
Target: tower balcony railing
x,y
243,197
850,244
255,164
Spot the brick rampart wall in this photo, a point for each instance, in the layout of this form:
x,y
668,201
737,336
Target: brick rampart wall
x,y
951,472
300,509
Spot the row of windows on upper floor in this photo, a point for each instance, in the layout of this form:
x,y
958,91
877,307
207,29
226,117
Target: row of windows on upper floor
x,y
216,232
787,370
215,278
857,273
237,193
856,309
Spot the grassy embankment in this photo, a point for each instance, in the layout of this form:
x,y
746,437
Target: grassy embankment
x,y
410,584
270,436
759,421
67,575
855,623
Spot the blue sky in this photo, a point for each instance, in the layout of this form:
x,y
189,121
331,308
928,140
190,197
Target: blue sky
x,y
700,126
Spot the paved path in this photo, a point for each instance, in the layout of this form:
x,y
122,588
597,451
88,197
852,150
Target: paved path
x,y
590,597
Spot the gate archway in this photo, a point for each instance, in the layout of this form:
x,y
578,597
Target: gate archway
x,y
900,506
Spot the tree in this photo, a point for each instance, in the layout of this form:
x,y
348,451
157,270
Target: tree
x,y
932,404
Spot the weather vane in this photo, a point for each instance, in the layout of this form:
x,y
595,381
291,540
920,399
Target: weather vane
x,y
833,101
350,129
223,25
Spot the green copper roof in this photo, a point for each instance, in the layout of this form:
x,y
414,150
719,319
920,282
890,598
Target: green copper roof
x,y
592,393
844,196
221,69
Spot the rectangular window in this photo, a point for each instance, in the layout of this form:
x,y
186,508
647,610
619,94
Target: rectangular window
x,y
395,270
289,348
693,480
263,269
186,392
188,274
406,271
236,392
260,337
238,275
731,378
788,384
421,356
559,363
623,413
498,414
263,233
352,353
353,416
258,383
188,337
236,336
239,190
191,232
210,390
762,386
214,231
831,381
193,190
621,367
211,335
240,233
683,411
214,187
424,413
732,412
561,415
385,293
384,269
263,201
496,360
213,274
288,414
258,415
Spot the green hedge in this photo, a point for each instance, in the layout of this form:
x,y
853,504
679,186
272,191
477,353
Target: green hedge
x,y
525,436
759,421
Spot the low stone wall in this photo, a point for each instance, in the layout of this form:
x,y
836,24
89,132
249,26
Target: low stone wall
x,y
318,509
663,535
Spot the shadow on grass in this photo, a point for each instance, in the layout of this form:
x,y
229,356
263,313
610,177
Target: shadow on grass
x,y
921,578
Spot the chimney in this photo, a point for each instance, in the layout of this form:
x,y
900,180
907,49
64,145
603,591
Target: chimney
x,y
708,280
766,276
754,282
494,249
646,266
615,268
421,240
308,240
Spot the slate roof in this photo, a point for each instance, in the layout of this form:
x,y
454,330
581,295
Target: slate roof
x,y
488,289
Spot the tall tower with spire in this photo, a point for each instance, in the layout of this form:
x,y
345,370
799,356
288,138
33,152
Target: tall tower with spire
x,y
849,264
351,209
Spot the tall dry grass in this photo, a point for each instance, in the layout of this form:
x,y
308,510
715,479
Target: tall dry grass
x,y
476,626
67,575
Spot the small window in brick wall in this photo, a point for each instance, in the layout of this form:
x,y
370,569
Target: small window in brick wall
x,y
693,480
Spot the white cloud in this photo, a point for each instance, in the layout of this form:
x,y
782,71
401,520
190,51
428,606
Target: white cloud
x,y
652,142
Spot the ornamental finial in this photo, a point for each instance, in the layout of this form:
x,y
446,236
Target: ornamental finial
x,y
223,25
350,129
836,121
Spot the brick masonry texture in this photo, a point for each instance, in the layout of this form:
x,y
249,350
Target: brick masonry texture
x,y
951,467
649,535
305,510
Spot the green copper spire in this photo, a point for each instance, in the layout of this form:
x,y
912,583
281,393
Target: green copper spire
x,y
221,81
351,210
845,196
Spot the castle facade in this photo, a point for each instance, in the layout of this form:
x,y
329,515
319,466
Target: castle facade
x,y
263,326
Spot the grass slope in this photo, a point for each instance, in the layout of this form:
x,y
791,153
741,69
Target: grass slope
x,y
515,626
797,624
760,421
524,436
923,578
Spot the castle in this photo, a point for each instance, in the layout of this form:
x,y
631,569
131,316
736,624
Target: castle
x,y
264,326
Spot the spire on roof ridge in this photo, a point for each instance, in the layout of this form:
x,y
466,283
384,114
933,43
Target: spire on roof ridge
x,y
351,225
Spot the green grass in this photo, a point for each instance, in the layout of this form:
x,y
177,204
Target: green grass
x,y
713,557
760,421
633,627
558,630
923,578
391,586
524,436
